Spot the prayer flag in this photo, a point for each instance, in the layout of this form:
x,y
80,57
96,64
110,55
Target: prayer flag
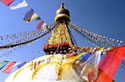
x,y
44,27
20,5
86,56
21,64
3,64
7,2
9,67
110,63
28,15
39,25
34,65
103,77
38,18
32,17
94,59
90,66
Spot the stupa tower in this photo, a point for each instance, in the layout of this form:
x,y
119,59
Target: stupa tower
x,y
60,40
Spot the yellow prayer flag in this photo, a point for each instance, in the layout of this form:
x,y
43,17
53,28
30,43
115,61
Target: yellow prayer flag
x,y
33,17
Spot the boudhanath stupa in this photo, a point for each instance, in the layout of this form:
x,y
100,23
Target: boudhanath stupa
x,y
66,62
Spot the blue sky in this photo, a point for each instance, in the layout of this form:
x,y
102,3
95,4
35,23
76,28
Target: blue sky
x,y
104,17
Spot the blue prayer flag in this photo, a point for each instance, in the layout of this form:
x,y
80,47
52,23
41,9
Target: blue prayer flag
x,y
20,65
28,15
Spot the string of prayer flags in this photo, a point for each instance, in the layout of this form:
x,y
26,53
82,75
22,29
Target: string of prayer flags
x,y
27,39
7,2
39,25
110,63
101,40
9,67
18,38
28,15
3,64
20,5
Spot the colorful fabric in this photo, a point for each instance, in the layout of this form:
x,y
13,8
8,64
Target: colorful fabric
x,y
103,77
89,67
110,63
32,17
3,64
28,15
94,59
21,64
87,49
20,5
9,67
38,18
86,56
39,25
44,27
34,65
7,2
92,74
81,49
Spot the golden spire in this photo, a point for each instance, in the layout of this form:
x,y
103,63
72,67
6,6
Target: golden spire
x,y
62,13
60,40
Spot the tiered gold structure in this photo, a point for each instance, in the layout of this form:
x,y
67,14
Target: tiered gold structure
x,y
60,40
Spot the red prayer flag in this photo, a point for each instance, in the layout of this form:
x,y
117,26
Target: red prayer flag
x,y
103,77
9,67
7,2
39,25
35,65
110,63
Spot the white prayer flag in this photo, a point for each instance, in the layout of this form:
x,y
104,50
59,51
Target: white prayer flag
x,y
20,5
44,27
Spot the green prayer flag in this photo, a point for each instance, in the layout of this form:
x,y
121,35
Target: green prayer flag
x,y
2,64
38,18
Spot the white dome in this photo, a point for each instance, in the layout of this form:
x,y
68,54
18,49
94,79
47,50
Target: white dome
x,y
52,68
